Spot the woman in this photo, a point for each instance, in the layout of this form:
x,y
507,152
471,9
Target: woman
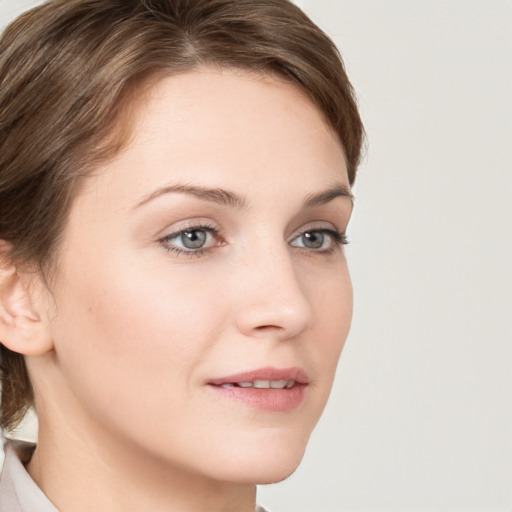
x,y
174,193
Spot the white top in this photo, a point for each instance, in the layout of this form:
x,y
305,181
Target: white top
x,y
18,492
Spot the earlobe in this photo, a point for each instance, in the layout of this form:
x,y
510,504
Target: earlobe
x,y
23,328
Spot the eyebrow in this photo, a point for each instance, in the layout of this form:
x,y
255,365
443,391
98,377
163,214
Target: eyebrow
x,y
215,195
234,200
328,195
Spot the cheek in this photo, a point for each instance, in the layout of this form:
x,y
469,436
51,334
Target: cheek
x,y
330,291
337,308
123,328
334,301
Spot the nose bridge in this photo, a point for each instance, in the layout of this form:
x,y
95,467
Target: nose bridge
x,y
271,297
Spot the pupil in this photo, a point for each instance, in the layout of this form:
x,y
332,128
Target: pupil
x,y
313,240
193,239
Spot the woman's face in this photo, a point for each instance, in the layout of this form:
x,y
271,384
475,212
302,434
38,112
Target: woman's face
x,y
203,296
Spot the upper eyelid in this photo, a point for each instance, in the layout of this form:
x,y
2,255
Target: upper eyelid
x,y
213,228
191,228
333,232
206,226
318,226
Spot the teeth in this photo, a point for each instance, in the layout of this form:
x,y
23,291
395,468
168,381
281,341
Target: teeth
x,y
264,384
278,384
227,385
261,384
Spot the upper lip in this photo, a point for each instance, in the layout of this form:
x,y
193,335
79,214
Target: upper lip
x,y
269,373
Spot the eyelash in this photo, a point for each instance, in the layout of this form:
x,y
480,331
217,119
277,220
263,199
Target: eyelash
x,y
338,239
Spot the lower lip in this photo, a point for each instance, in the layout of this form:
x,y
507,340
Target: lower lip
x,y
268,400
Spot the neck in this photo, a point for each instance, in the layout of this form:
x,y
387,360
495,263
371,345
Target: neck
x,y
83,469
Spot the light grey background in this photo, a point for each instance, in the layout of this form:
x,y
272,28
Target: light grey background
x,y
420,418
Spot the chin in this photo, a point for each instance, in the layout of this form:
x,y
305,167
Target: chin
x,y
271,472
263,463
277,476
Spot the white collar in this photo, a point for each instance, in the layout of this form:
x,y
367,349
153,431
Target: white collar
x,y
18,492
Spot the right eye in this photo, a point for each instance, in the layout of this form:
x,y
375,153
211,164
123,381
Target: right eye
x,y
193,240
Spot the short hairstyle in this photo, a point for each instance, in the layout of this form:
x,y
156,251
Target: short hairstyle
x,y
69,71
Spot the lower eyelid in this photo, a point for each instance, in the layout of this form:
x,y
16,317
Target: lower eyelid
x,y
185,252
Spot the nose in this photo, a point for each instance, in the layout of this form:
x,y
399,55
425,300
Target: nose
x,y
271,299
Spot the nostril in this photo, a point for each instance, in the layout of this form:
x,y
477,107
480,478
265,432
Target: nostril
x,y
269,328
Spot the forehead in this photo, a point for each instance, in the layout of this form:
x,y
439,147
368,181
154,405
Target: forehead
x,y
213,126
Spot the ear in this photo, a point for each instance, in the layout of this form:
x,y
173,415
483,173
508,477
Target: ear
x,y
23,325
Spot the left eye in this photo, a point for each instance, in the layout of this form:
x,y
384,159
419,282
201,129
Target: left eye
x,y
320,239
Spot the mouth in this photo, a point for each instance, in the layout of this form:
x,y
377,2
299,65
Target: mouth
x,y
266,389
261,384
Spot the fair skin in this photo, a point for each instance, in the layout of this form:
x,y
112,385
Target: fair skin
x,y
144,323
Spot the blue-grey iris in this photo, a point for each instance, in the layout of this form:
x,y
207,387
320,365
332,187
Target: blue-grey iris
x,y
313,239
193,239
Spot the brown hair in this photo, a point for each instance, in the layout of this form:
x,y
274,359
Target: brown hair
x,y
69,69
